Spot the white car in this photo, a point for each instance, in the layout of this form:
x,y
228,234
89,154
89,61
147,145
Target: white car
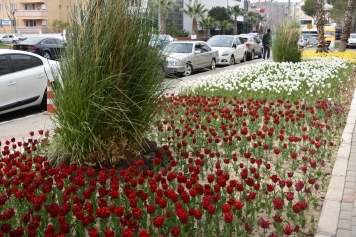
x,y
302,42
23,79
12,38
184,57
351,42
253,45
231,49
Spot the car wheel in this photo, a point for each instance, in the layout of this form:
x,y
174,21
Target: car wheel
x,y
14,41
188,70
47,55
232,60
44,101
243,58
213,64
252,55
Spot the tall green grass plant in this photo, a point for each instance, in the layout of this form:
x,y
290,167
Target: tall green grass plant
x,y
111,79
285,42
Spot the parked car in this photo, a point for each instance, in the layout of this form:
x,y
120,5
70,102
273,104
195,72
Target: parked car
x,y
23,80
12,38
231,49
160,40
253,45
184,57
50,48
351,42
302,42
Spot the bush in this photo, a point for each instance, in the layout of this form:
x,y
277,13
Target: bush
x,y
111,80
285,42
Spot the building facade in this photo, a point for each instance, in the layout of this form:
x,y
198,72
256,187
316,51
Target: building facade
x,y
33,16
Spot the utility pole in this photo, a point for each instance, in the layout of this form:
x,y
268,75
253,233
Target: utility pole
x,y
288,8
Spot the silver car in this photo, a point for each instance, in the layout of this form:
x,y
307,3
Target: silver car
x,y
184,57
253,45
12,38
231,49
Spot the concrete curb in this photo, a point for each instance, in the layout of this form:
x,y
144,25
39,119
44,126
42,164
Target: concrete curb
x,y
330,213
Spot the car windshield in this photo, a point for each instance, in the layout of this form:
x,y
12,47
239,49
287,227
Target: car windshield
x,y
353,36
220,41
178,48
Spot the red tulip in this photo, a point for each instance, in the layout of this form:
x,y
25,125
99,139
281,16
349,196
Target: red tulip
x,y
287,230
264,223
158,221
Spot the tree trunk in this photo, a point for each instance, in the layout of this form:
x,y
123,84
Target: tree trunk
x,y
320,26
206,32
347,25
194,26
223,32
235,25
163,24
251,28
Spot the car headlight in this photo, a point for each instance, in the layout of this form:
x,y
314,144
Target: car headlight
x,y
225,53
173,62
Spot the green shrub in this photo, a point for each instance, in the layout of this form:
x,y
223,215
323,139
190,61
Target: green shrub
x,y
111,81
285,42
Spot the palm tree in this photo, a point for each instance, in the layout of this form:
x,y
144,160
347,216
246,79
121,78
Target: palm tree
x,y
224,25
194,11
259,19
235,11
252,21
166,5
347,25
320,26
206,23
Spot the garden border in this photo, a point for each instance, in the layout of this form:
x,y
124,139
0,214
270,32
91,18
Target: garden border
x,y
342,181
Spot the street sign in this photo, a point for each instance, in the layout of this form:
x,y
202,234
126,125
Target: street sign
x,y
309,26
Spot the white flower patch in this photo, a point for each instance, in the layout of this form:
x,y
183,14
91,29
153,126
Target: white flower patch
x,y
270,76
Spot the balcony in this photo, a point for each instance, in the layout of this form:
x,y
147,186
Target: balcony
x,y
33,30
31,14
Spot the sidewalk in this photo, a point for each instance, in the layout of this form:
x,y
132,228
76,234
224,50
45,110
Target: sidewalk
x,y
338,215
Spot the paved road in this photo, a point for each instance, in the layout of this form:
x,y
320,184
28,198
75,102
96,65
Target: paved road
x,y
172,83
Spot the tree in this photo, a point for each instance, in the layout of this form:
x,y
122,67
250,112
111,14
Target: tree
x,y
194,11
309,7
166,5
59,26
251,21
219,13
235,11
10,7
224,25
320,26
206,23
347,25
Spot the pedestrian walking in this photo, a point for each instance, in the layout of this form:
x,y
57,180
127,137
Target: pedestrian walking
x,y
266,43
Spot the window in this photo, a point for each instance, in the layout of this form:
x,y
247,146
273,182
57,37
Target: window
x,y
30,23
21,61
205,48
4,66
12,7
30,6
36,62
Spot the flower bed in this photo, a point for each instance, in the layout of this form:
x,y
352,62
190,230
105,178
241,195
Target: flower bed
x,y
231,166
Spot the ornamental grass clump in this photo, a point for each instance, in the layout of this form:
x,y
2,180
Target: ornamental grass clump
x,y
285,42
111,79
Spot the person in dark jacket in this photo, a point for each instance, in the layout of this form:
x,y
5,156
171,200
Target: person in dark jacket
x,y
266,43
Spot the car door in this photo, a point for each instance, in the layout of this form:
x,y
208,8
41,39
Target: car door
x,y
5,39
258,45
57,47
238,51
207,55
8,85
197,56
31,77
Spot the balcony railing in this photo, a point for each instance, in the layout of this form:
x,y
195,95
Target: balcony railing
x,y
31,13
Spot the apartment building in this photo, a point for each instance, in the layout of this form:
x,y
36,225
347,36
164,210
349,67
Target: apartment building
x,y
33,16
